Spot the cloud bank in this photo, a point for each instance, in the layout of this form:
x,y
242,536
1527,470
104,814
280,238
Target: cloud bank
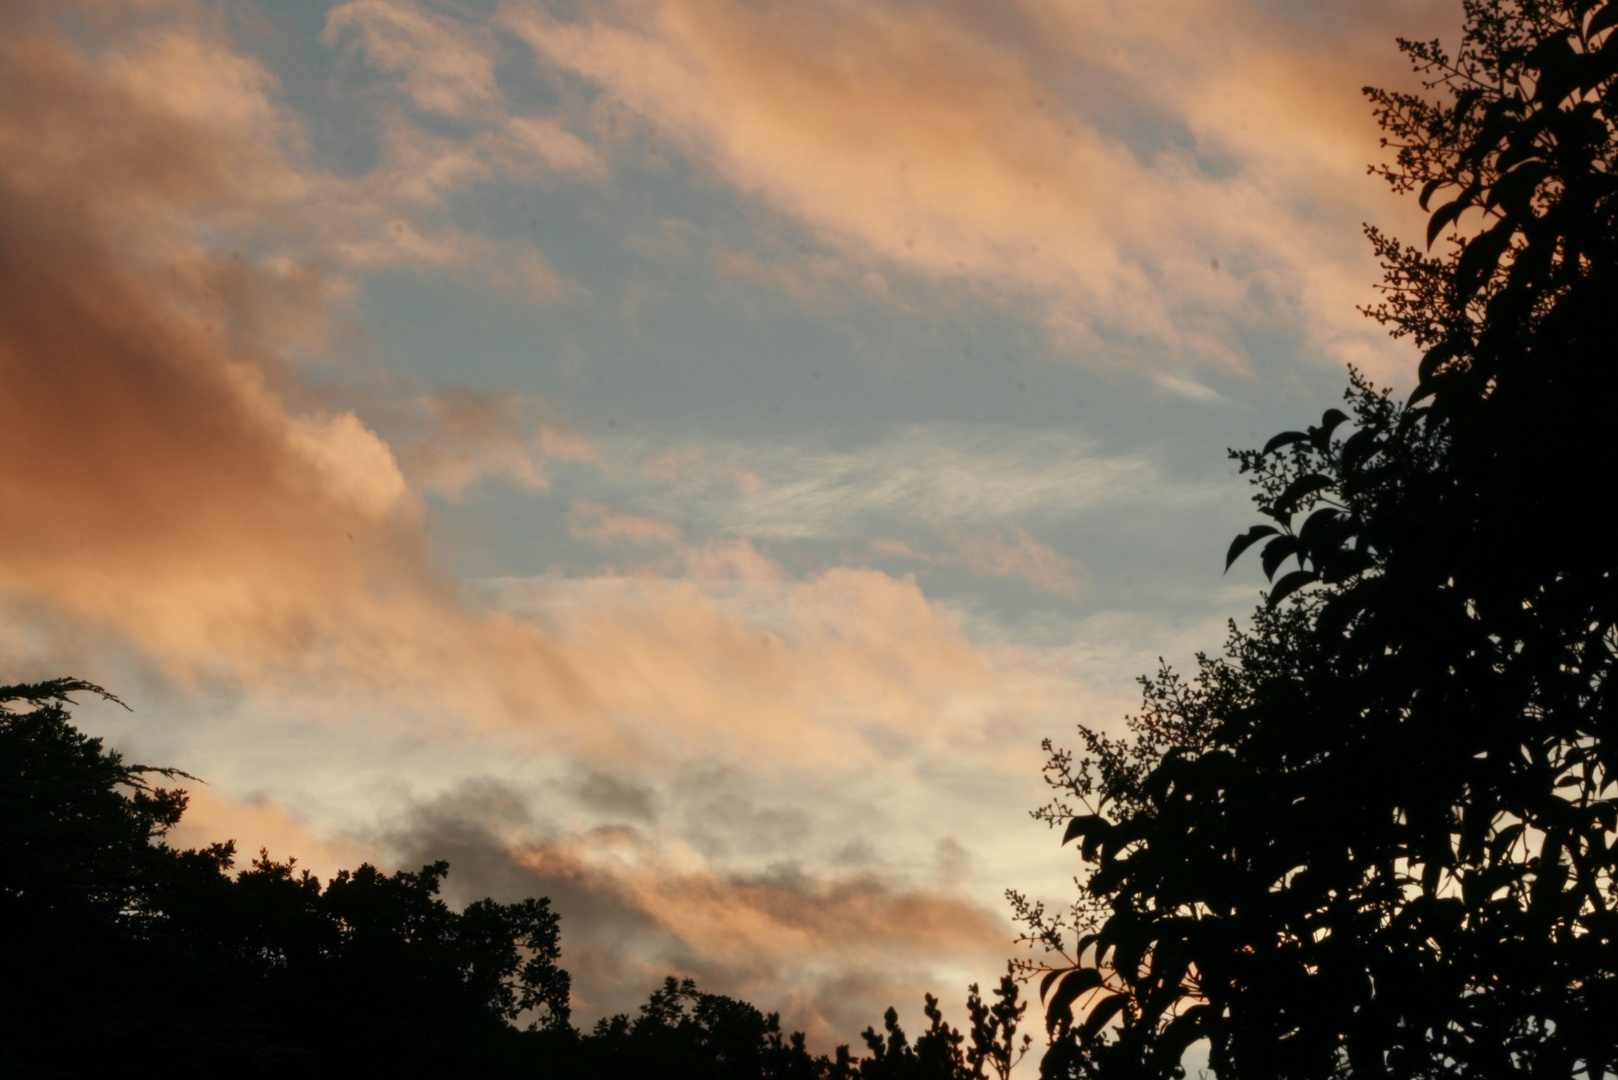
x,y
181,494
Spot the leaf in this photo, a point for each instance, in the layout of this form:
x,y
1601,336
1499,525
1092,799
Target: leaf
x,y
1314,523
1558,67
1445,215
1283,516
1302,488
1429,188
1335,614
1105,1009
1329,421
1276,552
1247,540
1463,105
1435,358
1357,447
1289,585
1182,1031
1059,1011
1286,438
1604,19
1050,977
1481,258
1084,823
1343,565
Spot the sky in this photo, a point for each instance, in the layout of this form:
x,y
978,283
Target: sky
x,y
677,457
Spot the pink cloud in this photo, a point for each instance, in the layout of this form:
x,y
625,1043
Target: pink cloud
x,y
458,438
443,71
188,497
213,816
592,521
959,152
988,551
831,950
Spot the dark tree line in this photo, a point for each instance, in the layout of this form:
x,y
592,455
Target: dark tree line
x,y
1379,835
121,953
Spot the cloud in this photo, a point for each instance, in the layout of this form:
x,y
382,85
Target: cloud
x,y
442,70
987,551
1186,388
733,660
1003,154
456,438
190,500
694,466
180,494
593,521
555,146
263,823
172,489
829,951
947,474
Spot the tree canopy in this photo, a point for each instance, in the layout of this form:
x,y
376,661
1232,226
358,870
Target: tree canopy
x,y
118,951
114,945
1377,836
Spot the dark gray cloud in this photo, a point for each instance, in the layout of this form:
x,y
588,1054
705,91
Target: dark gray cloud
x,y
828,951
616,796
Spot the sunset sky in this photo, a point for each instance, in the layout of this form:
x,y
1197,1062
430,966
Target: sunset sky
x,y
678,457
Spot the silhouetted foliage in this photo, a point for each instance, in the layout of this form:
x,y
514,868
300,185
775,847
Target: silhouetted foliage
x,y
115,947
943,1051
717,1037
1377,836
118,952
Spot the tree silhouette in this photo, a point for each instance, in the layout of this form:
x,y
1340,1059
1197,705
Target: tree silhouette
x,y
1377,836
115,947
118,952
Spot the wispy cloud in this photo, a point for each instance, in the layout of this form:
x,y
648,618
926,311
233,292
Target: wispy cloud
x,y
989,551
1001,155
455,438
440,68
946,474
593,521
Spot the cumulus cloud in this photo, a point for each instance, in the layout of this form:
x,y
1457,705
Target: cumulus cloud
x,y
180,486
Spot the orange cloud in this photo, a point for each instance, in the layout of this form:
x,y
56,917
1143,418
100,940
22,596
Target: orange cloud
x,y
442,71
262,823
738,662
987,551
802,942
471,436
183,494
592,521
986,155
831,950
